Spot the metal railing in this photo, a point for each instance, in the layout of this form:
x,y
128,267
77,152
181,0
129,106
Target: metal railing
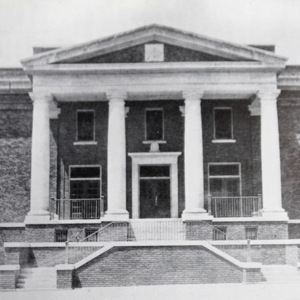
x,y
156,230
243,206
86,246
68,209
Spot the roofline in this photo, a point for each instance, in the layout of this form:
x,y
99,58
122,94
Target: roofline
x,y
58,55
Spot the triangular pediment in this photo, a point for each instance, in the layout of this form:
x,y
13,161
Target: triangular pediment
x,y
130,47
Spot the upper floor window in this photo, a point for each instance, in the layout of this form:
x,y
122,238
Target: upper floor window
x,y
223,126
154,124
85,125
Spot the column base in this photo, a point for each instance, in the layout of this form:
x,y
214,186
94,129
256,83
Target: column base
x,y
37,217
195,215
116,215
274,215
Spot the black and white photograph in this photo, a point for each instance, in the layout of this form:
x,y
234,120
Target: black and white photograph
x,y
149,149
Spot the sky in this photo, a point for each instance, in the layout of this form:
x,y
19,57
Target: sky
x,y
28,23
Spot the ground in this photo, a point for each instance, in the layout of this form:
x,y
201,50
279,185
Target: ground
x,y
199,291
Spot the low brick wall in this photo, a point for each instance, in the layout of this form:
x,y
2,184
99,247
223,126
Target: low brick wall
x,y
154,265
8,276
265,252
199,230
267,230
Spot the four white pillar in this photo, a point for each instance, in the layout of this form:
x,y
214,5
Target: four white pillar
x,y
193,156
116,158
40,159
270,156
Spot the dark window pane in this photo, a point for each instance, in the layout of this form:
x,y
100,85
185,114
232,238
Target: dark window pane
x,y
90,172
85,189
223,128
154,171
154,125
223,170
224,187
61,235
85,125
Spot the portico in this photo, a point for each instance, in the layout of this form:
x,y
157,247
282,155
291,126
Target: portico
x,y
64,76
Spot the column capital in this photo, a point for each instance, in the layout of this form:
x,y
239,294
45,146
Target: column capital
x,y
268,95
41,97
116,95
192,94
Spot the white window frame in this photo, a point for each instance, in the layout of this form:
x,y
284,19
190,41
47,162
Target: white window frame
x,y
163,123
225,176
80,142
215,139
85,178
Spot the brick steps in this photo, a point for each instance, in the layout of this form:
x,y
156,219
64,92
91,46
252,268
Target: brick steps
x,y
280,274
37,278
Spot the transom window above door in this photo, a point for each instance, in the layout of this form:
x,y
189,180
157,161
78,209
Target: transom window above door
x,y
85,125
154,127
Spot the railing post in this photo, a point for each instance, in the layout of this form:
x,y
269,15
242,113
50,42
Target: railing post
x,y
101,206
241,206
67,252
209,204
259,204
248,251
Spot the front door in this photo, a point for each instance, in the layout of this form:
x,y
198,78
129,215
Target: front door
x,y
155,198
154,192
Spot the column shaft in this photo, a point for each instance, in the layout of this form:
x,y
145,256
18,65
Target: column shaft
x,y
193,158
270,155
40,159
116,158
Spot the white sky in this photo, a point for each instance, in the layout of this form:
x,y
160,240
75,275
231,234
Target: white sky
x,y
27,23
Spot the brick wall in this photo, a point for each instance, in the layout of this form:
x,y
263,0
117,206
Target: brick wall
x,y
157,265
265,254
8,278
289,126
15,157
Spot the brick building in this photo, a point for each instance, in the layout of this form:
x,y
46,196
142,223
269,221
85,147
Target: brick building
x,y
156,124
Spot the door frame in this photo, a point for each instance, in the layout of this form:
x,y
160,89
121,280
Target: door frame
x,y
154,158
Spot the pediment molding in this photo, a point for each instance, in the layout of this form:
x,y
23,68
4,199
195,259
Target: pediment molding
x,y
160,34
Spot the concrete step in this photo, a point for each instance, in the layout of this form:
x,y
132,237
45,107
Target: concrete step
x,y
37,278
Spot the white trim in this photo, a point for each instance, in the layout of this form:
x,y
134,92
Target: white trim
x,y
229,141
225,176
163,119
83,143
158,158
214,120
94,124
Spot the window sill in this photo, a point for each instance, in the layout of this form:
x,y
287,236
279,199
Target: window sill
x,y
230,141
155,141
83,143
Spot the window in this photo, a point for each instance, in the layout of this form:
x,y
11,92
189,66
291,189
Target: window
x,y
85,125
224,179
219,233
85,191
61,235
223,129
91,234
251,233
154,124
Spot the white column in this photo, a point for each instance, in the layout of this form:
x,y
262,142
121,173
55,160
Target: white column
x,y
270,156
40,159
116,158
193,158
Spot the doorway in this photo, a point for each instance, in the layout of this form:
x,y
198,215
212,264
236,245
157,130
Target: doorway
x,y
155,192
